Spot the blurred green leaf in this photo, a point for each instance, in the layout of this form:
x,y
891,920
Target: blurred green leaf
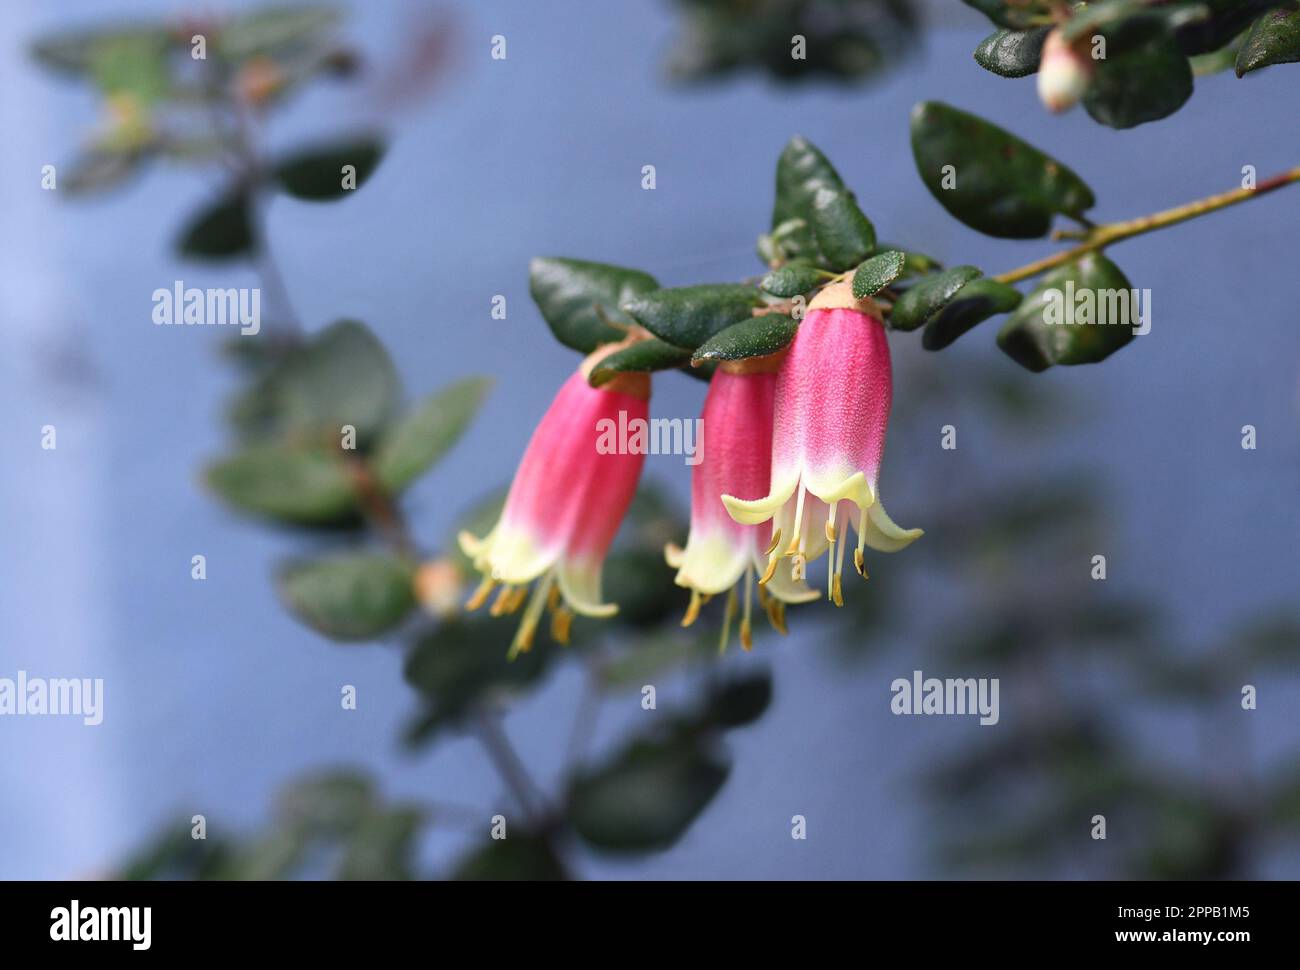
x,y
293,485
576,298
329,804
928,296
519,856
738,700
132,64
99,169
417,441
1273,39
754,337
640,661
644,356
342,376
877,273
975,302
687,316
317,173
350,596
1142,84
224,230
990,179
382,846
1032,340
276,30
1012,53
647,796
1017,14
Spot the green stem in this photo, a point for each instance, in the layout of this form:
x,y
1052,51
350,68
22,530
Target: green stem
x,y
1102,236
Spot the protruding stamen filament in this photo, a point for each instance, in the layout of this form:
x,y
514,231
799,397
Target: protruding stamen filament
x,y
837,595
481,594
528,626
776,615
746,627
728,616
830,556
501,605
770,571
693,610
796,532
860,563
553,598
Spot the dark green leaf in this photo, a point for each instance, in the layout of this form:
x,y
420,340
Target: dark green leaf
x,y
977,301
1125,24
792,279
1012,53
739,700
1017,14
519,856
353,596
877,273
415,443
1206,25
844,235
644,356
1142,84
342,376
222,231
755,337
1000,185
1035,340
1273,39
576,298
319,173
298,486
928,296
647,796
687,316
800,172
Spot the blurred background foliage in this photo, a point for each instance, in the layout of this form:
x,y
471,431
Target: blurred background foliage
x,y
1015,801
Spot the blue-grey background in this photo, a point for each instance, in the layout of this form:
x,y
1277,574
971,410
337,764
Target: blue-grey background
x,y
215,695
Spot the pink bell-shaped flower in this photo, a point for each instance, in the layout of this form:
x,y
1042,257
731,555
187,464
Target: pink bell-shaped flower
x,y
833,394
565,505
735,458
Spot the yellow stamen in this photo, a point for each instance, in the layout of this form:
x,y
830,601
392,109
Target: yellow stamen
x,y
693,610
553,598
561,624
746,628
830,555
501,603
528,625
798,567
481,594
860,563
796,537
830,527
776,541
837,594
776,615
770,571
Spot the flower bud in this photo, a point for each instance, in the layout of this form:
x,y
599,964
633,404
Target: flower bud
x,y
1064,72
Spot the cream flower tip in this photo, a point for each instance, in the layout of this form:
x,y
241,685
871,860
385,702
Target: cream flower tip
x,y
855,489
839,296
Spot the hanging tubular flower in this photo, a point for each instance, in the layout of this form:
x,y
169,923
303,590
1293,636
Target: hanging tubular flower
x,y
1065,70
833,395
564,507
736,457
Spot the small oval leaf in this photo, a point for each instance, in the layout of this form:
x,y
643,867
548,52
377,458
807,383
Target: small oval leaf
x,y
928,296
687,316
331,171
415,442
755,337
644,356
878,272
1012,53
577,298
793,279
975,302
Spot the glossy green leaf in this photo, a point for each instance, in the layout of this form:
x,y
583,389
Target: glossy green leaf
x,y
1273,39
1012,53
878,272
687,316
293,485
844,234
997,183
329,171
928,296
1035,338
224,230
792,279
1016,14
647,796
520,856
755,337
1202,26
577,298
416,442
1143,84
975,302
644,356
801,171
1124,24
341,376
350,596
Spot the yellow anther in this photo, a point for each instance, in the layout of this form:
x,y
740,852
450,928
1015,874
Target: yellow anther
x,y
693,610
481,594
